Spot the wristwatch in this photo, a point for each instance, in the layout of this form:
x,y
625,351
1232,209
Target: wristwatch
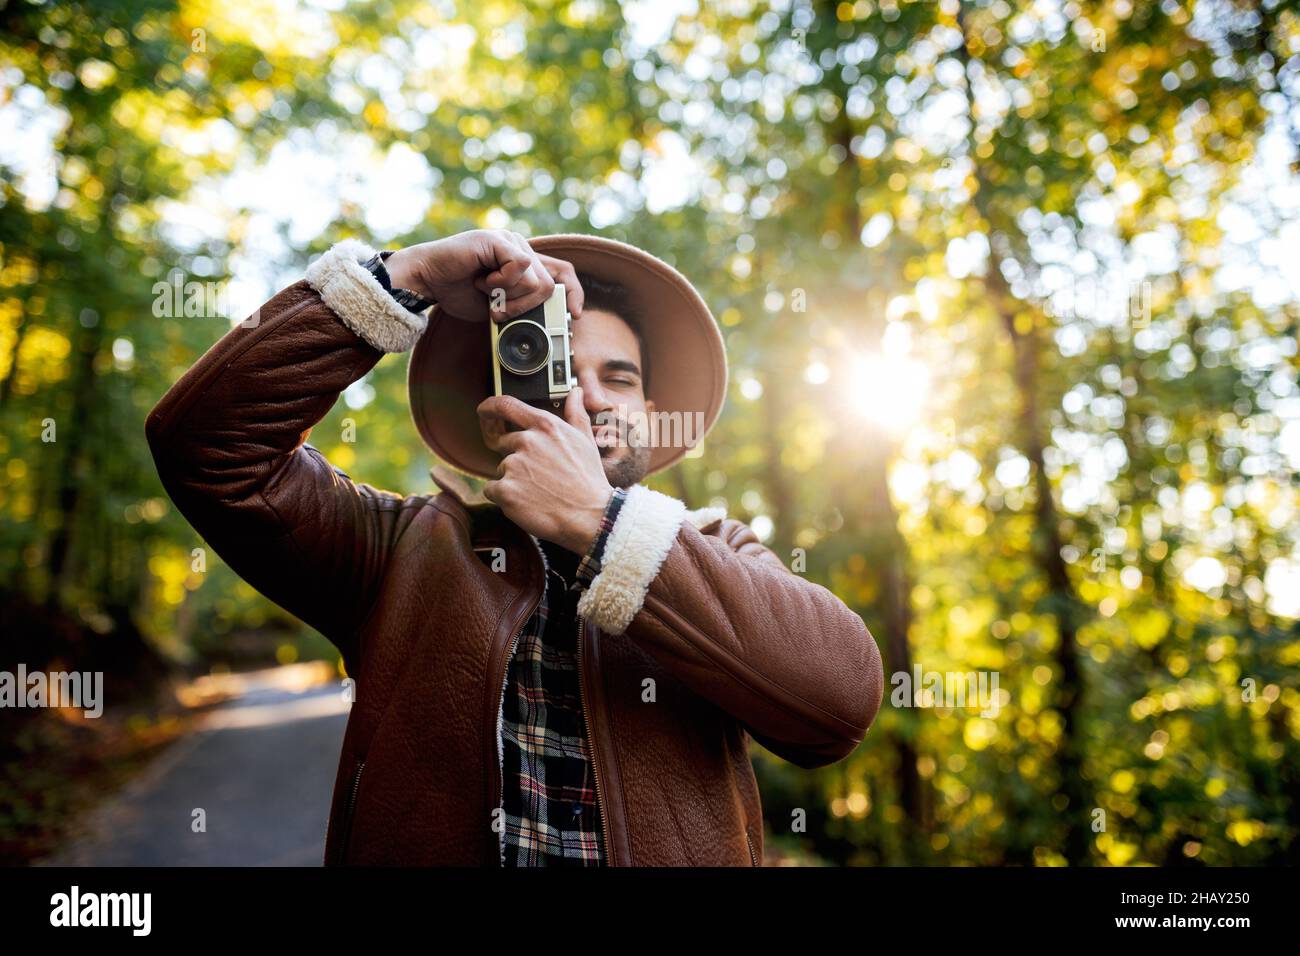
x,y
404,297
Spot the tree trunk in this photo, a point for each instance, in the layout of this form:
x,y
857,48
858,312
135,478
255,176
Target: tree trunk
x,y
71,435
1064,604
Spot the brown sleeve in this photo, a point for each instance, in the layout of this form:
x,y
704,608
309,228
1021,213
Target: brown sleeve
x,y
782,654
229,439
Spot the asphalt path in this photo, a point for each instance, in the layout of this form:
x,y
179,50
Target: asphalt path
x,y
257,776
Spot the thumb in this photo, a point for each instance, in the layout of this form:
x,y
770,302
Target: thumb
x,y
575,413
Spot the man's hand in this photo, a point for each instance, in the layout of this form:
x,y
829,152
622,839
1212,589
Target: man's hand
x,y
462,272
551,482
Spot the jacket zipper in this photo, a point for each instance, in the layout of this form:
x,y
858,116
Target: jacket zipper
x,y
591,745
349,808
753,860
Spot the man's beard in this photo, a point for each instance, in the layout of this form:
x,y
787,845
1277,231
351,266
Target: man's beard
x,y
629,468
631,446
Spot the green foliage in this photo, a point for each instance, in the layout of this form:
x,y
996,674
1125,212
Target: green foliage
x,y
907,217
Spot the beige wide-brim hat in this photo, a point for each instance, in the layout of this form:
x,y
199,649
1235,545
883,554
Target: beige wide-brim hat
x,y
450,371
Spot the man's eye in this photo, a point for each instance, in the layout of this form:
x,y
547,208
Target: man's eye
x,y
619,381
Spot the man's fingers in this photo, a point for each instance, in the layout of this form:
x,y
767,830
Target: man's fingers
x,y
512,279
575,413
534,284
496,298
509,409
531,287
508,273
536,287
525,278
502,441
564,273
515,273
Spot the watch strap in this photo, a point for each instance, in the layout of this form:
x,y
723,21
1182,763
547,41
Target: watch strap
x,y
404,297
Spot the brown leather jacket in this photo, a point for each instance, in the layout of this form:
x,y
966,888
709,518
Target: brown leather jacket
x,y
735,643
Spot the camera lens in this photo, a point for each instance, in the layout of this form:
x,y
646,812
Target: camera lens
x,y
524,347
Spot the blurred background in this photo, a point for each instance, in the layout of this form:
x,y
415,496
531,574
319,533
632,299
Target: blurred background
x,y
1010,295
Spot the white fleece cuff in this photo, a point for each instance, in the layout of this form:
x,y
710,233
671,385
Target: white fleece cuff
x,y
356,296
637,545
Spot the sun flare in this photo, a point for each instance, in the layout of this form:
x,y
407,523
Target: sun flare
x,y
891,392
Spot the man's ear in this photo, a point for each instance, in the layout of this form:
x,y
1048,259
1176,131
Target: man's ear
x,y
649,407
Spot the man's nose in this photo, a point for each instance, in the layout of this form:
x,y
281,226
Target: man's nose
x,y
594,399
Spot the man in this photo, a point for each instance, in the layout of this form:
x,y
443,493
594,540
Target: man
x,y
567,668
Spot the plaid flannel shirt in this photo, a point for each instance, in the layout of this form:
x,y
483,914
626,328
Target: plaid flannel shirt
x,y
551,815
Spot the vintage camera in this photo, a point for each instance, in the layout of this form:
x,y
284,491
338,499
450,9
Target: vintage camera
x,y
532,355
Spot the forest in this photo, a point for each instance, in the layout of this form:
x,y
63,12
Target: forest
x,y
1005,291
